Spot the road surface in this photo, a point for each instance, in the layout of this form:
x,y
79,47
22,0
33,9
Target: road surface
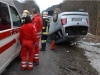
x,y
64,60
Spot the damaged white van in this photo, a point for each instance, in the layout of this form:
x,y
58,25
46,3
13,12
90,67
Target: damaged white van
x,y
10,23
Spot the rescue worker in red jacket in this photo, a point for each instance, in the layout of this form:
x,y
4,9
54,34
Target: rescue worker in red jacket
x,y
45,31
37,22
27,39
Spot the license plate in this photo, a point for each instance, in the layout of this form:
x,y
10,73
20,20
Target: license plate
x,y
76,19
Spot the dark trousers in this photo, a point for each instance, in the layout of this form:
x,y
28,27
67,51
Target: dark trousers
x,y
43,41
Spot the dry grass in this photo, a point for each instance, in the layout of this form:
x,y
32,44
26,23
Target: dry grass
x,y
92,38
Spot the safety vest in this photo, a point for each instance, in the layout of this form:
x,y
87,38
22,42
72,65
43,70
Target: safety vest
x,y
45,29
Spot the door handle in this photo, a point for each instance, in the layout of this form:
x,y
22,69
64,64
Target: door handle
x,y
10,32
14,30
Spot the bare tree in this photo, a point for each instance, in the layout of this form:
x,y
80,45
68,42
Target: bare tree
x,y
91,6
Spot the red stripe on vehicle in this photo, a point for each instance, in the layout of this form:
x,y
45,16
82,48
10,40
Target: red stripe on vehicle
x,y
9,33
5,34
5,47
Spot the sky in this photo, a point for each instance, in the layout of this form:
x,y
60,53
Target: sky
x,y
44,4
21,1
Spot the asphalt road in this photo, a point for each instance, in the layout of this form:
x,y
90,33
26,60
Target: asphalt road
x,y
48,65
64,60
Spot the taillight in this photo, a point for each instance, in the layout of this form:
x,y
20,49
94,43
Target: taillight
x,y
87,20
64,21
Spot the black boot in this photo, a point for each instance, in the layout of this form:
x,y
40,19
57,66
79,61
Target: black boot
x,y
36,63
42,49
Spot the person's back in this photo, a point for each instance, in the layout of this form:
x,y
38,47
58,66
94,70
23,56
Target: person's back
x,y
27,39
27,31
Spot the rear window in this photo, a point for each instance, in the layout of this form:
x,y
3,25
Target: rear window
x,y
5,22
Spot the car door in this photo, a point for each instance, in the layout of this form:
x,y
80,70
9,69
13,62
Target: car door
x,y
7,38
10,23
16,20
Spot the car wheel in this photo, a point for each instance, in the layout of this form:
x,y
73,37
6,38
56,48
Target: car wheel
x,y
55,14
55,17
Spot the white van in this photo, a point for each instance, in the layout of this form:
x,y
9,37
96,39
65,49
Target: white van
x,y
10,23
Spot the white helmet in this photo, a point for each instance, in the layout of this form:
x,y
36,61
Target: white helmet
x,y
25,13
45,14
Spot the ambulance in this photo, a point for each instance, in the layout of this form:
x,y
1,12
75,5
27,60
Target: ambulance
x,y
10,23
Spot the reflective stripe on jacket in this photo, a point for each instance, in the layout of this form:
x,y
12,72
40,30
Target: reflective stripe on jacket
x,y
43,41
45,29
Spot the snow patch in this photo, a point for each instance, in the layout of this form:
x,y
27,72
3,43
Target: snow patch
x,y
91,43
90,34
92,53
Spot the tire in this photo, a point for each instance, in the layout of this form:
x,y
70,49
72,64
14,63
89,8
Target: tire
x,y
55,14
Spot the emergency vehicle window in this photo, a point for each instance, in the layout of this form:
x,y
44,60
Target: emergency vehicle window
x,y
15,17
5,22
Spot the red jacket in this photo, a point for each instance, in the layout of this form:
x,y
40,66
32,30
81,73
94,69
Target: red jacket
x,y
27,32
38,23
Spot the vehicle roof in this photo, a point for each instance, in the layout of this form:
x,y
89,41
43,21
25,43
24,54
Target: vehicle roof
x,y
10,2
